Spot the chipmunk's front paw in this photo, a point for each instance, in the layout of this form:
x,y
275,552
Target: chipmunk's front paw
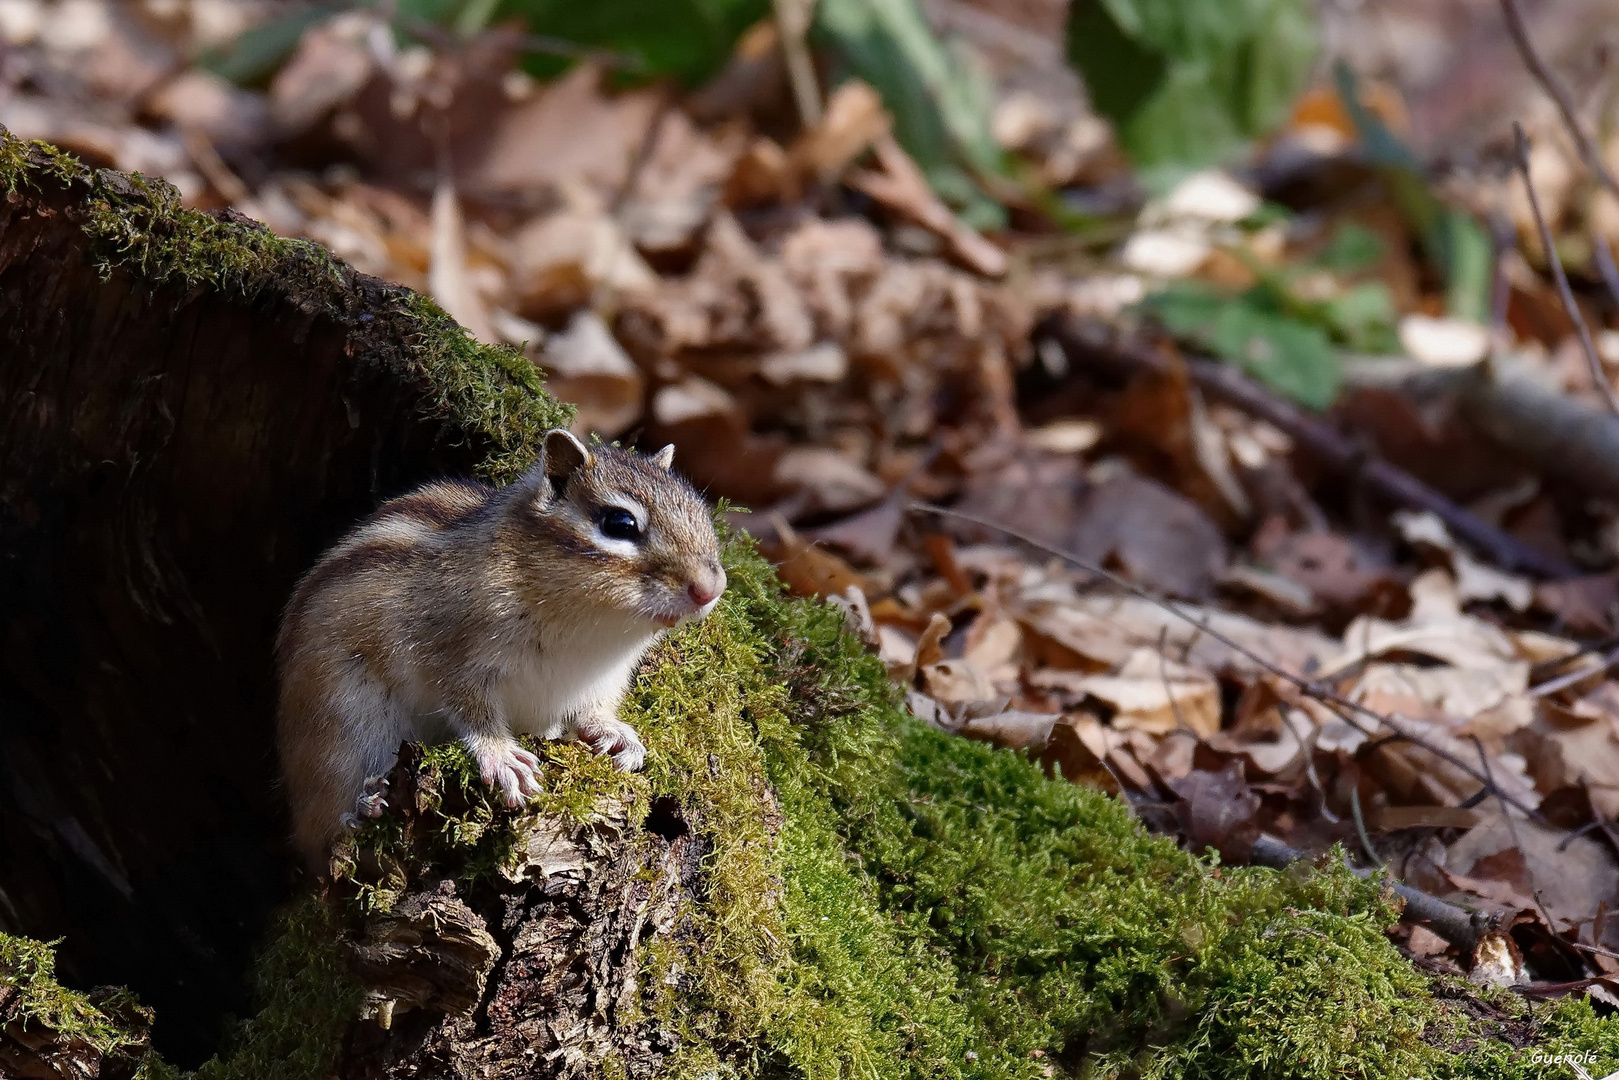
x,y
617,739
374,801
507,767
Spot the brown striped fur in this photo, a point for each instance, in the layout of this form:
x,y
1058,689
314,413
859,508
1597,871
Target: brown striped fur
x,y
460,611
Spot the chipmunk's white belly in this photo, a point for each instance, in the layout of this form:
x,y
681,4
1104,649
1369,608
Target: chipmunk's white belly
x,y
572,671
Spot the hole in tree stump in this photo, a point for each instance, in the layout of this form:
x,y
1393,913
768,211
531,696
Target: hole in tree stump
x,y
172,457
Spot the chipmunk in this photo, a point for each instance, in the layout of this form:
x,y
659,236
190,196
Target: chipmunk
x,y
460,611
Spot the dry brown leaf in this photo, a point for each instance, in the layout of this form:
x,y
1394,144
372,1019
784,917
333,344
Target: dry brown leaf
x,y
1270,755
814,571
831,481
569,132
1330,568
1107,629
928,650
1584,605
1217,809
1013,729
448,276
857,618
1568,745
1572,877
956,682
901,187
853,120
561,262
330,65
202,102
1082,748
994,644
1453,692
761,174
588,368
1436,628
1424,942
1475,580
1158,537
1153,694
897,650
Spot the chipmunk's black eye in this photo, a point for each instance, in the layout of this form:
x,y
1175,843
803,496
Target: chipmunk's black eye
x,y
618,523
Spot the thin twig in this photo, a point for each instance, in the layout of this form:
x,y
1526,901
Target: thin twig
x,y
1578,675
1349,711
1163,674
1305,742
792,25
643,153
1592,360
1605,267
1360,826
1558,93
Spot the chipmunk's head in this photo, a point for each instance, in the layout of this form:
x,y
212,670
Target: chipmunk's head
x,y
640,537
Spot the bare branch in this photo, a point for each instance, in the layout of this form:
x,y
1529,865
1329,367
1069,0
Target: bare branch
x,y
1592,360
1459,927
1098,345
1559,93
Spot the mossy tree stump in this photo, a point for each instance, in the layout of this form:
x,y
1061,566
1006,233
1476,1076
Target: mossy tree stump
x,y
804,882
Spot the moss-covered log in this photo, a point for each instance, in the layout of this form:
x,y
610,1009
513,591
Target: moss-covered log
x,y
804,882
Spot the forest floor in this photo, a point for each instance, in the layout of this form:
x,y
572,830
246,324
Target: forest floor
x,y
1278,499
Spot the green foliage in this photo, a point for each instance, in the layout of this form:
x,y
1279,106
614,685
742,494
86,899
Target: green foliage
x,y
1353,248
1255,331
255,55
1186,83
938,96
1284,338
687,40
1451,239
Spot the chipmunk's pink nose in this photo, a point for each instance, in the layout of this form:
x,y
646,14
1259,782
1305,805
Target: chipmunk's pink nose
x,y
706,589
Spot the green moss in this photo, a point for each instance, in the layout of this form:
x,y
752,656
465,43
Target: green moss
x,y
307,998
493,389
113,1024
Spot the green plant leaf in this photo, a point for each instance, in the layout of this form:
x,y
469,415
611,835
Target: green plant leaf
x,y
687,40
1452,240
1286,353
1363,318
1353,248
1186,83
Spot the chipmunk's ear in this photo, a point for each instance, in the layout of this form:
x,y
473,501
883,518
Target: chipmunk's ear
x,y
561,455
564,453
665,458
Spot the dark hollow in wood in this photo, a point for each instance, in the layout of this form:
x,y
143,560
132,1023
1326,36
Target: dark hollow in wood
x,y
170,461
